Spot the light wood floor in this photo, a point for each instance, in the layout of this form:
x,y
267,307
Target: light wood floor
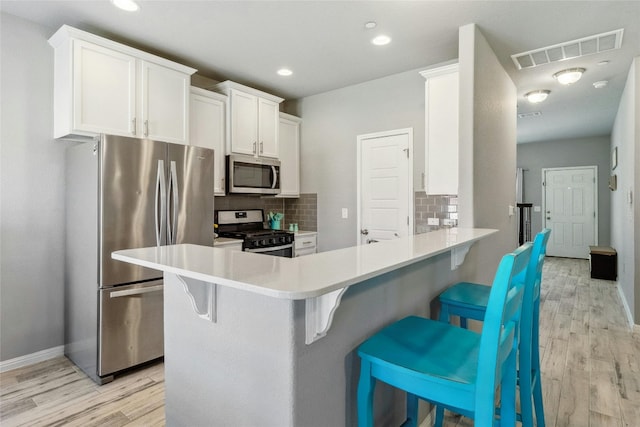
x,y
590,366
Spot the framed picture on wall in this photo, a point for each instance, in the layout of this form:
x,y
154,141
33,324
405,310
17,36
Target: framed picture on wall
x,y
614,158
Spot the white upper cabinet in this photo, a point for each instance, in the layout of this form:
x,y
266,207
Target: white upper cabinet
x,y
208,129
164,95
289,155
441,129
104,92
101,86
253,118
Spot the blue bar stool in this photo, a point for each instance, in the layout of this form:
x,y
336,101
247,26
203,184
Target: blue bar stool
x,y
470,300
450,366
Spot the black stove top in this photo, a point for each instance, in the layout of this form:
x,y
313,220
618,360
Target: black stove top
x,y
248,225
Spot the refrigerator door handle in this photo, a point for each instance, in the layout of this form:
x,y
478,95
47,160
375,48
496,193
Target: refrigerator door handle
x,y
174,203
161,193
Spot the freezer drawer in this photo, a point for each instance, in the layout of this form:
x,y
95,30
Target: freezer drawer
x,y
131,326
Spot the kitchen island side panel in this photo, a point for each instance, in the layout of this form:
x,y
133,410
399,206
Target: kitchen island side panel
x,y
327,371
252,367
235,372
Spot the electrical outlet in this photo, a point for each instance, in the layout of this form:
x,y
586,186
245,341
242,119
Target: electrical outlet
x,y
345,213
433,221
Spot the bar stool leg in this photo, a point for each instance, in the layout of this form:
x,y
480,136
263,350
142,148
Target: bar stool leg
x,y
366,387
412,411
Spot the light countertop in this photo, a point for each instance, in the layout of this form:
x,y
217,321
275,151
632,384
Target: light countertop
x,y
303,277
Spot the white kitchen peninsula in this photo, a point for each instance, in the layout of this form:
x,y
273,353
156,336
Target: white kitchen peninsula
x,y
261,340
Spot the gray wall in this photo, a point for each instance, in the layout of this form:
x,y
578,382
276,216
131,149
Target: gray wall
x,y
487,151
331,123
625,215
535,156
32,195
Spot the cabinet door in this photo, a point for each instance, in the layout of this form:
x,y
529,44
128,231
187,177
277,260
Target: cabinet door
x,y
441,133
104,90
289,136
165,104
268,119
244,123
207,129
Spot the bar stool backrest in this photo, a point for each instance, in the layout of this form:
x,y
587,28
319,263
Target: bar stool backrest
x,y
500,328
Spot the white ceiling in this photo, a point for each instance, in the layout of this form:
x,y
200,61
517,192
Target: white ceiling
x,y
327,47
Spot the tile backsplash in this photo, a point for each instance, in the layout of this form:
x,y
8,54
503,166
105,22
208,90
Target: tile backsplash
x,y
303,210
427,206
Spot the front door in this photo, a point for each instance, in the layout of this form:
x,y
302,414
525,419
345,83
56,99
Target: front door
x,y
570,210
384,187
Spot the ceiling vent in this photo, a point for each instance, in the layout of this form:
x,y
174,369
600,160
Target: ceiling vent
x,y
526,115
569,50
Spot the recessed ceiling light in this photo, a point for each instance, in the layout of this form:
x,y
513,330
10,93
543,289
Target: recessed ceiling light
x,y
381,40
371,24
537,96
285,72
570,76
600,84
128,5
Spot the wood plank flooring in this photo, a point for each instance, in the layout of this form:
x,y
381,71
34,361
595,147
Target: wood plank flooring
x,y
590,367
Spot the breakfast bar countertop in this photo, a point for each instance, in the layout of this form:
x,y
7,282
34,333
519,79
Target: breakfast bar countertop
x,y
303,277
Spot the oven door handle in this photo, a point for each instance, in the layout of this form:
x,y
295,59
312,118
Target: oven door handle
x,y
271,249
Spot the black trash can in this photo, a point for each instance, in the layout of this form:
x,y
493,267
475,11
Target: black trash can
x,y
603,262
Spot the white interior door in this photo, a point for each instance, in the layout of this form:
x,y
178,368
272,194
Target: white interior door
x,y
385,187
570,210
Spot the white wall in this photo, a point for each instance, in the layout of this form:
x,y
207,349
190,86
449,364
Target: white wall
x,y
32,195
625,215
331,123
534,156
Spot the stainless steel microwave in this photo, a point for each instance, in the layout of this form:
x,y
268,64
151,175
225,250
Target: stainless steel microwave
x,y
252,175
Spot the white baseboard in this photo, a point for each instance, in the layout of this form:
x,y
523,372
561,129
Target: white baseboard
x,y
30,359
626,308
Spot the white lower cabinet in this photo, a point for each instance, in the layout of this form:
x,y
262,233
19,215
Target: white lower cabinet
x,y
207,129
306,244
289,135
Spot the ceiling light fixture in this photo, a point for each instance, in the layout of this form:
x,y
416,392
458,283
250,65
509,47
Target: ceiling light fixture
x,y
371,24
284,72
600,84
570,76
605,62
128,5
537,96
381,40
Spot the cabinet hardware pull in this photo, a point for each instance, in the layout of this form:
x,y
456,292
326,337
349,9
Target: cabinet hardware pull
x,y
146,128
133,126
261,147
254,148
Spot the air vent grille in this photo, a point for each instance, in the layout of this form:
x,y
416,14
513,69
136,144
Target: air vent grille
x,y
569,50
533,114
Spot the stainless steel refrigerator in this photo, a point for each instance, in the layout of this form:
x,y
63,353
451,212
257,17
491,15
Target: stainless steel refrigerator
x,y
126,193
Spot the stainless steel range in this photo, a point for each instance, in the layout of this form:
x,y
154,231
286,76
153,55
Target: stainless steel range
x,y
248,225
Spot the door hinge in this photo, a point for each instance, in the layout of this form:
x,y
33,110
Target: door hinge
x,y
544,183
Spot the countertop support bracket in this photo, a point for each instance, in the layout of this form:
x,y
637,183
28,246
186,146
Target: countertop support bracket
x,y
458,255
203,297
319,313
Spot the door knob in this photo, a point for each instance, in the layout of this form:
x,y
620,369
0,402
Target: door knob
x,y
548,217
364,231
369,241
